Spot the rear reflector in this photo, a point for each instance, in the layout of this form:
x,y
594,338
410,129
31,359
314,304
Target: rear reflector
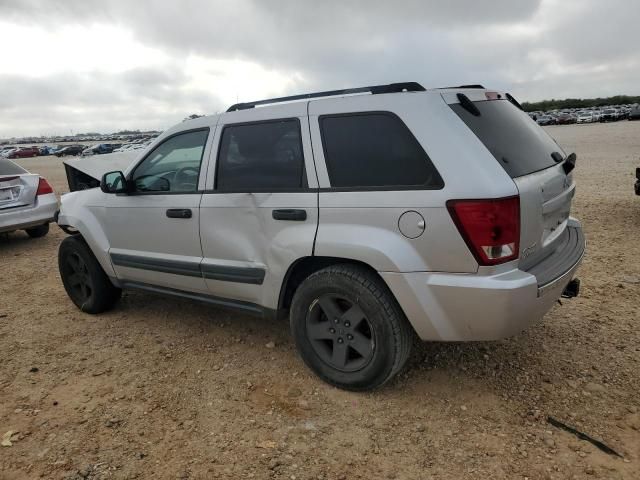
x,y
491,228
44,187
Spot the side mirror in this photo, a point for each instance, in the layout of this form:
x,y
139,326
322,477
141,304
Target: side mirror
x,y
113,182
638,173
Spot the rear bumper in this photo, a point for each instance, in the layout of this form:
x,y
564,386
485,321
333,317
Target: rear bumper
x,y
20,218
472,307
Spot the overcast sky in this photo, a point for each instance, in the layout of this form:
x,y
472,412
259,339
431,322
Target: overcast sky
x,y
105,65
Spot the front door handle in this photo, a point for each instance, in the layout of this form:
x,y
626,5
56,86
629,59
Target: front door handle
x,y
289,214
179,213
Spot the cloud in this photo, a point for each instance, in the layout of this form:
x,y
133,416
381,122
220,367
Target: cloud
x,y
155,62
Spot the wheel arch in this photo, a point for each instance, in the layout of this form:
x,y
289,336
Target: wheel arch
x,y
76,215
304,267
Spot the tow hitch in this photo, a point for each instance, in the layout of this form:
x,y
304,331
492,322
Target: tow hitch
x,y
572,289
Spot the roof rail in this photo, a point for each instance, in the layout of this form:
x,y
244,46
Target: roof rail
x,y
374,90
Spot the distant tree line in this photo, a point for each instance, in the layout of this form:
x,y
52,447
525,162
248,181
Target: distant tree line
x,y
553,104
127,132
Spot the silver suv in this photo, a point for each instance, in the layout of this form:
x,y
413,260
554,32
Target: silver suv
x,y
369,215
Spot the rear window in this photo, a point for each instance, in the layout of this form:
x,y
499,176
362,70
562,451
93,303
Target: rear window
x,y
7,167
521,146
373,150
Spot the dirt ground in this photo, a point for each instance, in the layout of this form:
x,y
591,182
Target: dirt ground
x,y
164,388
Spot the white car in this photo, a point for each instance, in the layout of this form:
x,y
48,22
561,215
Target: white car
x,y
27,201
585,117
369,216
4,152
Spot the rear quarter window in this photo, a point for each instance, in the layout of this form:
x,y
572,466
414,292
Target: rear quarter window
x,y
375,150
515,140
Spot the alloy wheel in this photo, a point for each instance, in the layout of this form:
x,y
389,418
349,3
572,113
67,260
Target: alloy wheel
x,y
78,278
340,333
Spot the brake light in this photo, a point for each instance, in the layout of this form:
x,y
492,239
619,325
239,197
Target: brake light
x,y
491,228
43,187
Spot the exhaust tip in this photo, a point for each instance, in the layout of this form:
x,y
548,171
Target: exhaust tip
x,y
572,289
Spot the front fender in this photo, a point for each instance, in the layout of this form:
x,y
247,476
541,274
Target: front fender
x,y
80,211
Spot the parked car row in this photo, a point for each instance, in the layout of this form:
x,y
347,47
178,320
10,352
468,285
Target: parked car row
x,y
14,148
19,152
587,115
70,150
100,149
135,145
34,151
121,138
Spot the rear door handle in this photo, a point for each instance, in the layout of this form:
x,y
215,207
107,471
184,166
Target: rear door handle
x,y
289,214
179,213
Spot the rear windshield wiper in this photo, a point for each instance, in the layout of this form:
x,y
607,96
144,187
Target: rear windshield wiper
x,y
513,100
569,162
468,105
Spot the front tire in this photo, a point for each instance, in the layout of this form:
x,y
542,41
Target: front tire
x,y
349,329
39,231
83,278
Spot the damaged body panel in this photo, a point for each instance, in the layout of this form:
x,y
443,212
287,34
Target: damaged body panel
x,y
85,172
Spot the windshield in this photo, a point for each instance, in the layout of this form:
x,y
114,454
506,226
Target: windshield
x,y
516,141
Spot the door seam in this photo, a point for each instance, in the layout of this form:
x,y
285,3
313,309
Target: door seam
x,y
315,169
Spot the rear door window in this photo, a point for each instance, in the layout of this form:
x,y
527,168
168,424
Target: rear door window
x,y
261,157
521,146
375,150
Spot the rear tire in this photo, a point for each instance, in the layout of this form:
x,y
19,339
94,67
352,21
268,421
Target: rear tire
x,y
83,278
349,329
39,231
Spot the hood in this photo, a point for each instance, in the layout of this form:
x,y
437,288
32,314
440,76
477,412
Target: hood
x,y
97,165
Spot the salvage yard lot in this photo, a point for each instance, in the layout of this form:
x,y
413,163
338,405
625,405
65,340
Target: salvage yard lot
x,y
166,388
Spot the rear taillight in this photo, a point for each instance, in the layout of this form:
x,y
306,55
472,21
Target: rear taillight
x,y
491,228
44,187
